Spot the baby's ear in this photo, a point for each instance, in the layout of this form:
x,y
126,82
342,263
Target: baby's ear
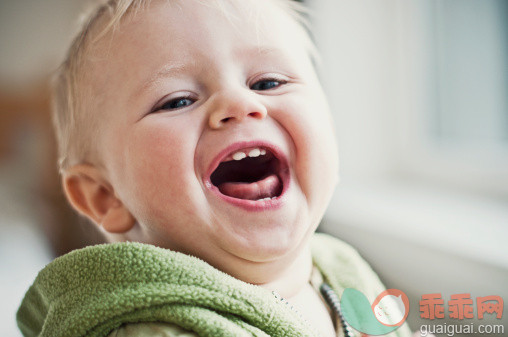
x,y
92,195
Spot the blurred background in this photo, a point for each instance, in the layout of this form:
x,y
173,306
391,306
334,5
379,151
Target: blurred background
x,y
419,89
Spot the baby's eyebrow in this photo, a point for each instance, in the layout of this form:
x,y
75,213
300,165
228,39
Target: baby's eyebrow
x,y
173,69
164,72
259,51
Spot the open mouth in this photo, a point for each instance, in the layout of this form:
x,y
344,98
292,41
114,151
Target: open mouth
x,y
253,173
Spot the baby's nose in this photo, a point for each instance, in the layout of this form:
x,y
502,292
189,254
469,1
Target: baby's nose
x,y
231,105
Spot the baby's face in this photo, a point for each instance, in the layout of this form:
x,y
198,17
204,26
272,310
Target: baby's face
x,y
216,133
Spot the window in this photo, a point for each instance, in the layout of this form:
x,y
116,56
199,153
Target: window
x,y
453,105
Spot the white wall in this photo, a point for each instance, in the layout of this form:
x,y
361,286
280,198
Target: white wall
x,y
33,36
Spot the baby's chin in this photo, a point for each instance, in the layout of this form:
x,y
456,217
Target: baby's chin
x,y
259,249
263,262
262,243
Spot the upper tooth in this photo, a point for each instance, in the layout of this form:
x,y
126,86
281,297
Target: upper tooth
x,y
239,155
254,153
262,152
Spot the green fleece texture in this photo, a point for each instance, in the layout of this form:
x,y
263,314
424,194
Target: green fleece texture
x,y
93,291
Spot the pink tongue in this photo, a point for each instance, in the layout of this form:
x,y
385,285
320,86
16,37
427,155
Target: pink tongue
x,y
265,188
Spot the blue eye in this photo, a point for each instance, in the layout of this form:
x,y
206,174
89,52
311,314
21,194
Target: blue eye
x,y
267,84
177,103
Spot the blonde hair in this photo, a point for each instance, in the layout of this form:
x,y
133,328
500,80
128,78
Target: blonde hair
x,y
74,125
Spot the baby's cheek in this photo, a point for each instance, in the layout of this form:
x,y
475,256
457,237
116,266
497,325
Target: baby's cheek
x,y
314,139
158,167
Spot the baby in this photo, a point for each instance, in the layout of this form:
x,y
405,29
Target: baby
x,y
198,127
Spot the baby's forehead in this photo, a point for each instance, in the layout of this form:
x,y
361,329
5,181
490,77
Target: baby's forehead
x,y
198,27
